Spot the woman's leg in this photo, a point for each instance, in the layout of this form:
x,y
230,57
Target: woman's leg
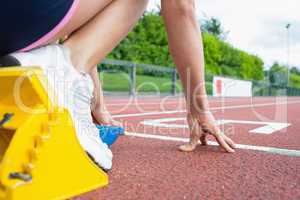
x,y
85,11
96,28
88,44
95,39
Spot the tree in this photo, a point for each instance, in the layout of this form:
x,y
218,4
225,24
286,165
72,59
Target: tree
x,y
295,70
212,53
213,26
148,43
278,75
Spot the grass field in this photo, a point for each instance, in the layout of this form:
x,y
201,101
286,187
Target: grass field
x,y
121,82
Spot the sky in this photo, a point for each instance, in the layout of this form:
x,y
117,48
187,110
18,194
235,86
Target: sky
x,y
257,26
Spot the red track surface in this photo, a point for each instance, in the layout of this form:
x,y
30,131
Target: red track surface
x,y
146,168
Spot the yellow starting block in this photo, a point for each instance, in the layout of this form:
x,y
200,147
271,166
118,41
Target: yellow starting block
x,y
40,155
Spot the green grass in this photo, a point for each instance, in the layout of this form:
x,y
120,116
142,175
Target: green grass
x,y
121,82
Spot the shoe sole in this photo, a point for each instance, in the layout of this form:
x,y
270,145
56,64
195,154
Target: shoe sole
x,y
9,61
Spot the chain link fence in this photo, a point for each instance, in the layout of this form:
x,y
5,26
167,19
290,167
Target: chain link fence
x,y
135,78
260,88
124,76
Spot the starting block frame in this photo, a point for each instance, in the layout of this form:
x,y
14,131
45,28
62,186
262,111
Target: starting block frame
x,y
40,155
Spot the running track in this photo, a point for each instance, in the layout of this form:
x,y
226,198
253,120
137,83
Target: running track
x,y
147,164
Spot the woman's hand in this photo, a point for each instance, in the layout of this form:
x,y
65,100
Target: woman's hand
x,y
202,124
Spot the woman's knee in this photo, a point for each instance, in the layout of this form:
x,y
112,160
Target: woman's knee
x,y
179,7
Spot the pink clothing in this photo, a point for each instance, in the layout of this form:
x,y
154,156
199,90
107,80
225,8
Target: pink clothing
x,y
56,30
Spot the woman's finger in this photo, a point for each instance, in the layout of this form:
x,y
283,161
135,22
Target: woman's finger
x,y
222,143
230,142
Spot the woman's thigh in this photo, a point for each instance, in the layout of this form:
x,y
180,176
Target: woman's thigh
x,y
85,11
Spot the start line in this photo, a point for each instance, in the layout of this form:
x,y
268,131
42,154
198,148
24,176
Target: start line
x,y
271,150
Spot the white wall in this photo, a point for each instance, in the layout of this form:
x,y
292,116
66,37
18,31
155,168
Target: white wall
x,y
226,87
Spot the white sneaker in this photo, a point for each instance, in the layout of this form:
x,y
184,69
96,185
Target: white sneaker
x,y
74,91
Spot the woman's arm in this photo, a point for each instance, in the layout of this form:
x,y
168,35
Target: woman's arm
x,y
187,51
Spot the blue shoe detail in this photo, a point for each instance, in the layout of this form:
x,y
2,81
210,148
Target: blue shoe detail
x,y
110,134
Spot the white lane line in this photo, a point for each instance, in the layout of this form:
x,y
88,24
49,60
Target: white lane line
x,y
272,150
142,104
165,122
267,128
175,101
149,113
212,109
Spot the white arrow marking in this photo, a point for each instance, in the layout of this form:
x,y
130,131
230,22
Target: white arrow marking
x,y
268,128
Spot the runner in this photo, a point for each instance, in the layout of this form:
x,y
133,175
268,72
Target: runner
x,y
92,28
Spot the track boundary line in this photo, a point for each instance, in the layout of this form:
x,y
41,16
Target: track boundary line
x,y
212,109
138,104
177,101
270,150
